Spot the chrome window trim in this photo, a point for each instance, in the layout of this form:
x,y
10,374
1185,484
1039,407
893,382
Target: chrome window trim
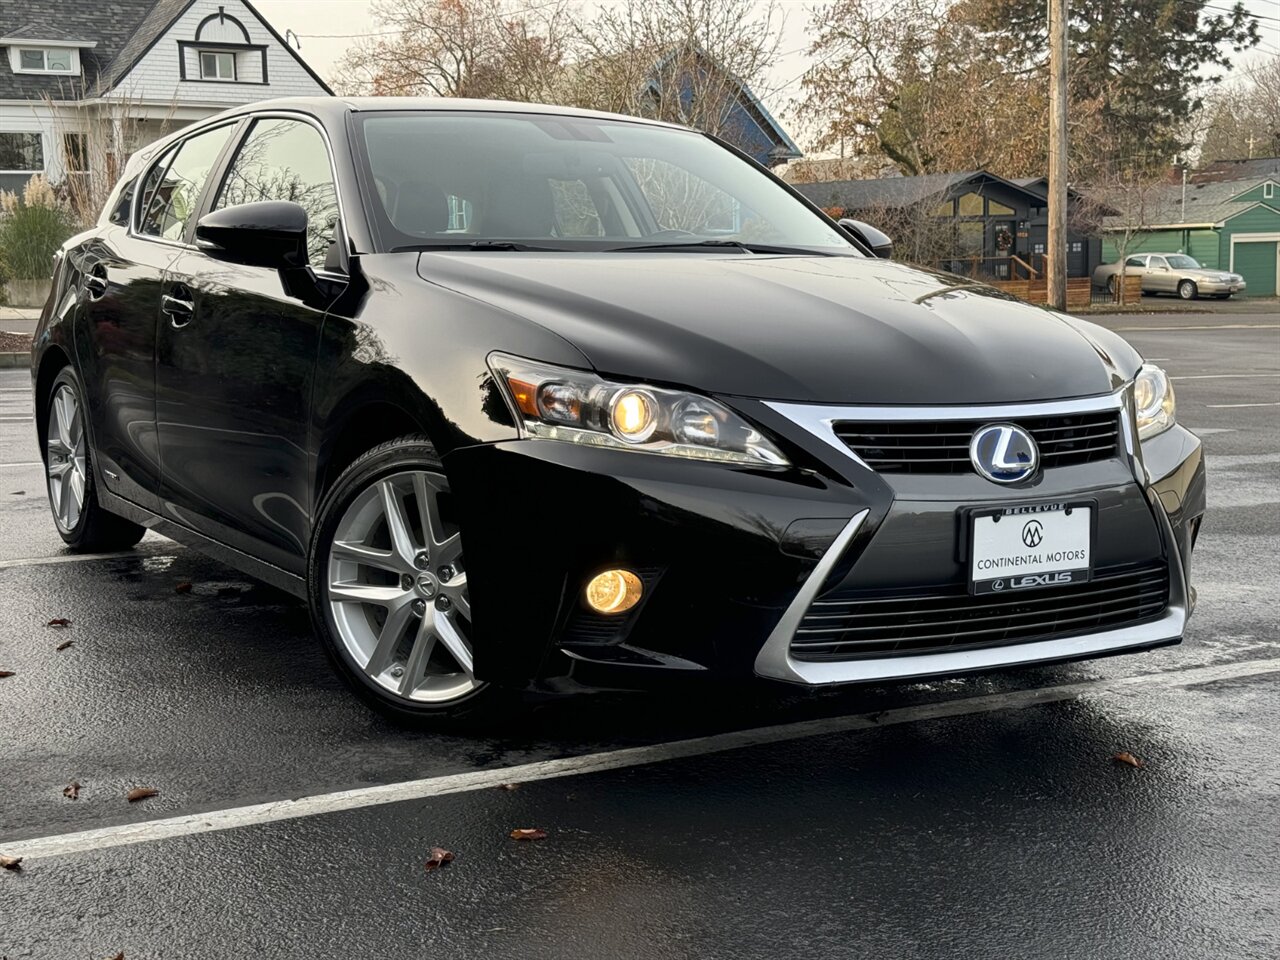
x,y
820,418
774,661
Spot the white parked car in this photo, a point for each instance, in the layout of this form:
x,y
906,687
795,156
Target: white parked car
x,y
1171,273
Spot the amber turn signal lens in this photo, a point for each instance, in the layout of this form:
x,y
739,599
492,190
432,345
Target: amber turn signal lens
x,y
614,591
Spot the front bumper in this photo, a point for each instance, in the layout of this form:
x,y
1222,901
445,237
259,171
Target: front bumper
x,y
1219,287
733,558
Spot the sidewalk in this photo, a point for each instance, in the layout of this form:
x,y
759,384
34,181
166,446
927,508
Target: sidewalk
x,y
19,319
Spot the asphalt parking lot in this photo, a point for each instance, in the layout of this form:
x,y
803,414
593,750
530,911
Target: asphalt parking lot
x,y
982,817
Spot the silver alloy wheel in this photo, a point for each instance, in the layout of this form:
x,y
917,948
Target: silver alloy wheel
x,y
65,458
1187,290
398,592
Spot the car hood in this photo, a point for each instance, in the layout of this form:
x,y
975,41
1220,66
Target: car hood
x,y
1204,273
812,329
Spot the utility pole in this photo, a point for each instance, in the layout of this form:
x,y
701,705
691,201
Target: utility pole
x,y
1056,272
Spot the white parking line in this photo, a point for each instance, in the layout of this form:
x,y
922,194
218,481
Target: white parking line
x,y
228,819
1227,406
142,550
1207,326
1226,376
16,419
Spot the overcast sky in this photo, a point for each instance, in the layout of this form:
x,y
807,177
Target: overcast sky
x,y
327,26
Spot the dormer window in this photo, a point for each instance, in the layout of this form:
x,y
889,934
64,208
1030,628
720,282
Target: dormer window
x,y
44,60
217,65
1268,191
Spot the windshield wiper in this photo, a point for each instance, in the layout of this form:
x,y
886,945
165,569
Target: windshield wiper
x,y
477,245
714,244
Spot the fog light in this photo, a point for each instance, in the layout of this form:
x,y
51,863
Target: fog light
x,y
614,591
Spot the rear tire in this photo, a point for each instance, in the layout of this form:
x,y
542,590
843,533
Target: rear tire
x,y
387,591
81,521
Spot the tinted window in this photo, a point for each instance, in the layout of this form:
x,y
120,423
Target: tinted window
x,y
172,193
286,160
571,183
1135,262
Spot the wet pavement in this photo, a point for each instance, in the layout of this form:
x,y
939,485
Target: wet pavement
x,y
968,818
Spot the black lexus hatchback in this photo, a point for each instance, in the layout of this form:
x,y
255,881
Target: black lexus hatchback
x,y
518,397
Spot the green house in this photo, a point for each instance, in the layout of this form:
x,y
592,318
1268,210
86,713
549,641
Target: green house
x,y
1226,226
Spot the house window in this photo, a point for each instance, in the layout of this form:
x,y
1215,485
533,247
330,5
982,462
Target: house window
x,y
945,209
21,153
217,65
1076,246
970,242
1037,248
999,209
45,60
971,205
1268,191
75,151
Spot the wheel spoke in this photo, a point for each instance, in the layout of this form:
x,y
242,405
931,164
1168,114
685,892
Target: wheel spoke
x,y
58,470
369,556
448,633
456,590
77,492
65,414
389,638
382,596
428,497
397,522
415,670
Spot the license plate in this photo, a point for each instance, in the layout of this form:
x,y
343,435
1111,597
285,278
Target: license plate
x,y
1030,546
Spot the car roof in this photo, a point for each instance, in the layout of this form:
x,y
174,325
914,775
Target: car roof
x,y
331,106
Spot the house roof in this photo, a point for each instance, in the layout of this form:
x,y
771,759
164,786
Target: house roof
x,y
45,31
1207,203
1219,170
124,30
908,191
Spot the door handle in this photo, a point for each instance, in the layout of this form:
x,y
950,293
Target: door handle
x,y
180,311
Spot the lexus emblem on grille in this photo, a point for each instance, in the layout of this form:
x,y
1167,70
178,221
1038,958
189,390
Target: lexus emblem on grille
x,y
1004,453
1032,533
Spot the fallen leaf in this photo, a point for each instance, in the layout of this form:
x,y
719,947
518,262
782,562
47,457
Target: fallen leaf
x,y
508,786
141,793
439,857
1128,758
71,791
6,673
528,833
10,863
18,493
183,587
64,644
118,956
59,622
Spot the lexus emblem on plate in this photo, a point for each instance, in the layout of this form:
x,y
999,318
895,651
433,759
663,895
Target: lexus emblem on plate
x,y
1004,453
1032,533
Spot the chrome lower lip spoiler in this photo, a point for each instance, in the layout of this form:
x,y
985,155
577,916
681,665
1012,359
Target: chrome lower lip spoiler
x,y
774,661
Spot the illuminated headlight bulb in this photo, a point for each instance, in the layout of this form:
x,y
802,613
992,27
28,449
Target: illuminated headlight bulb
x,y
694,422
633,414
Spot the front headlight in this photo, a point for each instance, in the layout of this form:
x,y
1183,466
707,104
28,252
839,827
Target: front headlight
x,y
557,403
1153,400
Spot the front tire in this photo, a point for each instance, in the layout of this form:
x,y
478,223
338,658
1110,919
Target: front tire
x,y
387,588
82,523
1187,290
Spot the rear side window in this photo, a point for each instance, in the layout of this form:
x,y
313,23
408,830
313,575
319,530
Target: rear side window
x,y
286,160
173,186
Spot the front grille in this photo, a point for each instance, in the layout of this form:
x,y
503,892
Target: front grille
x,y
847,625
942,446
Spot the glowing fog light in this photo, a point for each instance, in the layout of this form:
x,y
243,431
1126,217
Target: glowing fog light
x,y
614,591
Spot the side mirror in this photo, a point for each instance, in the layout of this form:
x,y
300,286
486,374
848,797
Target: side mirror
x,y
270,233
871,238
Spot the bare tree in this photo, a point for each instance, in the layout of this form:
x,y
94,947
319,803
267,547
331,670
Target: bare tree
x,y
684,61
499,49
1126,201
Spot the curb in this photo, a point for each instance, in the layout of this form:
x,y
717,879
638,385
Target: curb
x,y
15,361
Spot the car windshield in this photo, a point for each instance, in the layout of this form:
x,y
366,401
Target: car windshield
x,y
1180,262
529,181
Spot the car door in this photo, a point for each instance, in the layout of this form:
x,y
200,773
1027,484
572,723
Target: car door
x,y
236,357
122,273
1159,278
